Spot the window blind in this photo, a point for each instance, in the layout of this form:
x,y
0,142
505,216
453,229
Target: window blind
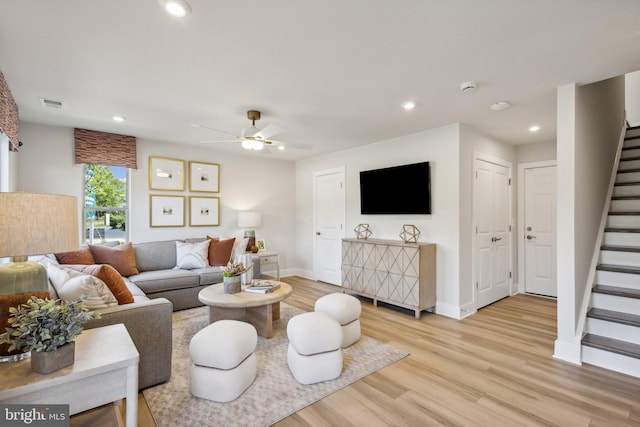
x,y
103,148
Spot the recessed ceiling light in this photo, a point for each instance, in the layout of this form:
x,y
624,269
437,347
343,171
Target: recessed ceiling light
x,y
500,105
409,105
281,147
118,118
534,128
468,87
177,8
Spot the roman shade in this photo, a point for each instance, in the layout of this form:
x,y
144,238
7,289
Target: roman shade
x,y
103,148
8,114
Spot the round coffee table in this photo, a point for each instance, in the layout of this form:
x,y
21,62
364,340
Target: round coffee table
x,y
258,309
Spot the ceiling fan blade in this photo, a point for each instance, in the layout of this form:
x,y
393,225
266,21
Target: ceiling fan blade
x,y
296,145
196,125
219,141
268,132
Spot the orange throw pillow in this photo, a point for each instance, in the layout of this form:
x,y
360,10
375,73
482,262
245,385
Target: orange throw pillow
x,y
81,256
220,251
110,277
120,257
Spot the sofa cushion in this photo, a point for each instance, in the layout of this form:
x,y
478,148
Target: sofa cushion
x,y
81,256
163,280
110,277
209,275
121,258
135,291
72,285
192,255
153,256
220,250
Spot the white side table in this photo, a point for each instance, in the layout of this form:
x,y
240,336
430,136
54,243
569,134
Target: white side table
x,y
266,258
105,370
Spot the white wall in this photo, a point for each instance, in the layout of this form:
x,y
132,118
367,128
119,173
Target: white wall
x,y
437,146
590,119
536,152
46,164
632,98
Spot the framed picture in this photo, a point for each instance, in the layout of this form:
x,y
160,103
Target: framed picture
x,y
262,246
204,211
166,174
166,211
204,177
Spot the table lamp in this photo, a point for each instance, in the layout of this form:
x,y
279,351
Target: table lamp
x,y
31,224
249,220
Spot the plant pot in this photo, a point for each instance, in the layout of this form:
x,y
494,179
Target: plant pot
x,y
232,285
45,362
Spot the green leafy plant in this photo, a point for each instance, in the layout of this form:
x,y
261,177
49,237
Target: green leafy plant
x,y
233,269
45,324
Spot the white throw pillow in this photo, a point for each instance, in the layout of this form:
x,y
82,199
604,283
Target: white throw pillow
x,y
192,255
71,285
239,249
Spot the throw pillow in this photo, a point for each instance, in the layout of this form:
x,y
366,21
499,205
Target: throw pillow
x,y
122,258
220,251
72,285
110,277
240,249
81,256
192,255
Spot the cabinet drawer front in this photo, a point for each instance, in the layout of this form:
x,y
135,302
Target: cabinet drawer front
x,y
268,260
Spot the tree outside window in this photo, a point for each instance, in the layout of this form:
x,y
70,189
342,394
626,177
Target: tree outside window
x,y
105,197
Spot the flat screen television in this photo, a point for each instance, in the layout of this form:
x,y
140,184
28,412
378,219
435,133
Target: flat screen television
x,y
396,190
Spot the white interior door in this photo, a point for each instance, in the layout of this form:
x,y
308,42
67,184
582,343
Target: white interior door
x,y
493,234
329,206
540,230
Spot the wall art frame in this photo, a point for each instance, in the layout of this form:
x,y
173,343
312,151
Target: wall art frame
x,y
166,174
204,177
204,211
261,244
166,211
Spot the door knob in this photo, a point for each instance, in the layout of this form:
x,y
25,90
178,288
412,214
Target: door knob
x,y
529,237
495,239
318,233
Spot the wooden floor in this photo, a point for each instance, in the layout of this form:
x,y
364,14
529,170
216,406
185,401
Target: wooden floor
x,y
494,368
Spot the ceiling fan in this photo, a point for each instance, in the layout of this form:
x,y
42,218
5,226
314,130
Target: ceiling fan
x,y
256,139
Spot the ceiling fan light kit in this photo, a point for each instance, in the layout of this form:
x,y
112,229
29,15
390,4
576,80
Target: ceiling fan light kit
x,y
179,8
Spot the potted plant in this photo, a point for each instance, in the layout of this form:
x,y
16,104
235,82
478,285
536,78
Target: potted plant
x,y
231,275
47,328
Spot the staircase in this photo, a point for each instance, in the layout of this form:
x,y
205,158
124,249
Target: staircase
x,y
612,338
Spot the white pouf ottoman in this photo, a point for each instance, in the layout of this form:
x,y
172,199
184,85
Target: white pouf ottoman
x,y
223,360
346,310
314,352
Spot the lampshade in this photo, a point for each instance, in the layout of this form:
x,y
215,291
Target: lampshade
x,y
35,224
249,219
31,224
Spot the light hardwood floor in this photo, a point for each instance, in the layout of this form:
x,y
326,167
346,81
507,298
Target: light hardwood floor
x,y
494,368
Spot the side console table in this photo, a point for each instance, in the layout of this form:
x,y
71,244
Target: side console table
x,y
263,259
105,370
398,273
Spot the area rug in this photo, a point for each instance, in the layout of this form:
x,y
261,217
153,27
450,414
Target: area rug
x,y
274,395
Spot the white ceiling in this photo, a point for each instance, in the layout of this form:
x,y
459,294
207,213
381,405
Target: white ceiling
x,y
332,73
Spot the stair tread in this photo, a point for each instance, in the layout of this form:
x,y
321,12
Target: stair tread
x,y
621,230
630,138
627,184
626,198
617,291
631,148
625,213
620,248
618,268
609,344
629,171
629,159
614,316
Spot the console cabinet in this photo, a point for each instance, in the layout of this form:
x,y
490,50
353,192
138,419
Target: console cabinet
x,y
398,273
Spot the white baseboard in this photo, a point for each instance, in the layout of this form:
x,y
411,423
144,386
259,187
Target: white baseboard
x,y
467,310
448,310
568,351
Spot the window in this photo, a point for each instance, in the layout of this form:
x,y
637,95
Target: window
x,y
106,204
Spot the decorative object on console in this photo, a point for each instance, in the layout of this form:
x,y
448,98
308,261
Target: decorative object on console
x,y
249,220
231,276
31,224
363,231
166,211
204,177
410,233
204,211
47,328
166,174
261,245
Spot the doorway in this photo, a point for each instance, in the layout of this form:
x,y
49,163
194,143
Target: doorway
x,y
537,261
329,205
492,219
